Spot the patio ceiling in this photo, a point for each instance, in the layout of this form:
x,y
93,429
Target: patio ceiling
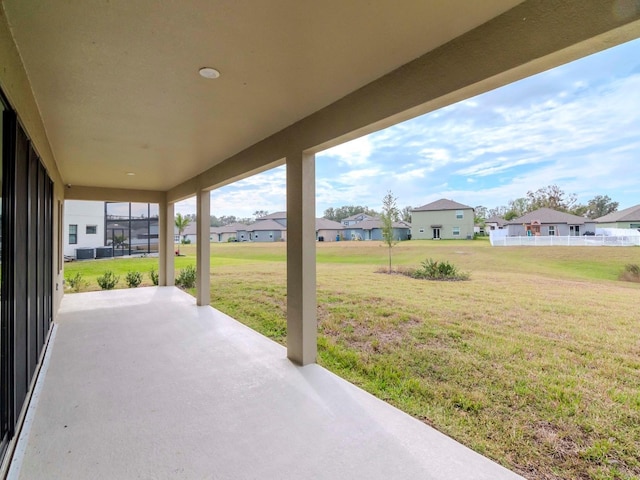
x,y
117,83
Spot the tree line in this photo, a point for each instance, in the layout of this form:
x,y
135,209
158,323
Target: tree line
x,y
224,219
346,211
552,197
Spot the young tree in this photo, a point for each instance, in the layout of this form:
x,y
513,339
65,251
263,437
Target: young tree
x,y
182,222
389,215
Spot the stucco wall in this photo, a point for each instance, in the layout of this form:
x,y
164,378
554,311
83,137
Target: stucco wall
x,y
82,214
633,225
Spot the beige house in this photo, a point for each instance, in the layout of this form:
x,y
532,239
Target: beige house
x,y
442,219
160,101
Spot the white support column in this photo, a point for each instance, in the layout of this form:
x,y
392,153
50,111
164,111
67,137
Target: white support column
x,y
301,259
166,255
203,247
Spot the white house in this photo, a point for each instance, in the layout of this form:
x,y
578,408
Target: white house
x,y
83,225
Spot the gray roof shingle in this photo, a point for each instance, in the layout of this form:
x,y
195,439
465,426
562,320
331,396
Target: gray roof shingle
x,y
548,215
442,204
631,214
266,225
499,220
325,224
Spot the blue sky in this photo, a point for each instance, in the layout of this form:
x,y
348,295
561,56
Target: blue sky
x,y
576,126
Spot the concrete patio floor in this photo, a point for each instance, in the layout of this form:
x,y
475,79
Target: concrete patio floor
x,y
143,384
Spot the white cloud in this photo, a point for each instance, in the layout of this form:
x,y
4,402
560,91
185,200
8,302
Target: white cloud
x,y
413,174
353,153
435,158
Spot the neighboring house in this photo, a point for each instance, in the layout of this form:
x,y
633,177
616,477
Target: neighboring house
x,y
328,230
84,225
627,218
442,219
357,218
494,223
242,235
547,221
280,217
371,229
190,233
128,228
266,231
226,233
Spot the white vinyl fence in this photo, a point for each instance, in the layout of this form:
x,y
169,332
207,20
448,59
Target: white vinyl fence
x,y
499,238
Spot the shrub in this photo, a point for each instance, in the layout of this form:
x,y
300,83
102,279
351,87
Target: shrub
x,y
76,282
232,239
108,280
435,270
185,241
154,276
187,277
134,279
631,273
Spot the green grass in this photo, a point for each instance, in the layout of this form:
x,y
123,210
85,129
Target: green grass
x,y
534,362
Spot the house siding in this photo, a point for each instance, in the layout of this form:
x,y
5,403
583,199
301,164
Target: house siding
x,y
83,214
561,229
266,236
328,235
423,220
633,225
398,234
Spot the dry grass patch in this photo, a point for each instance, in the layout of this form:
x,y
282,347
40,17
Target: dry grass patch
x,y
534,364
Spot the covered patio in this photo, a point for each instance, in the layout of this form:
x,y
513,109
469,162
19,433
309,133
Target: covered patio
x,y
143,383
158,101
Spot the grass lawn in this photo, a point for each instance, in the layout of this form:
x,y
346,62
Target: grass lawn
x,y
534,362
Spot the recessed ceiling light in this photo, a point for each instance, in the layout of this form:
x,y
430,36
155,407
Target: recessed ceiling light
x,y
208,72
131,174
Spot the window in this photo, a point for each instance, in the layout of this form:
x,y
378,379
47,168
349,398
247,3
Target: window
x,y
634,225
456,231
459,214
176,238
73,234
552,230
422,230
92,229
271,235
